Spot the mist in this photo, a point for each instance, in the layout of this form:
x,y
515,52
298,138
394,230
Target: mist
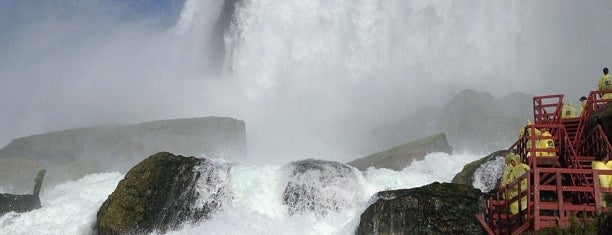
x,y
309,78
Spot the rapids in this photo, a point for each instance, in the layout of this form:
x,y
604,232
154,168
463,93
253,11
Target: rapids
x,y
256,206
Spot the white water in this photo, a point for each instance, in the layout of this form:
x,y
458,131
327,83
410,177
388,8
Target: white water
x,y
69,208
256,208
313,68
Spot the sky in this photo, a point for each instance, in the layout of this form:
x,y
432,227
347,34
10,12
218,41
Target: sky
x,y
308,77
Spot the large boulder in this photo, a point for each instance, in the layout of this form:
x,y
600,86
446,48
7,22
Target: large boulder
x,y
71,154
438,208
401,156
320,187
161,193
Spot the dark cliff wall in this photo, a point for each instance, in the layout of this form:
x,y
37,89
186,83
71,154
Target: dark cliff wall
x,y
472,121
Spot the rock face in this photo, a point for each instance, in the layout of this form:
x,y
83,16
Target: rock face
x,y
401,156
477,120
71,154
603,117
470,120
161,193
425,210
320,187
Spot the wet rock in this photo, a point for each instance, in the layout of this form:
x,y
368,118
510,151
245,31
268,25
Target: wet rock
x,y
438,208
22,203
320,186
18,203
490,172
162,192
401,156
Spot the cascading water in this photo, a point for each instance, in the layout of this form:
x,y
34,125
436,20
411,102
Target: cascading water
x,y
355,61
338,66
252,201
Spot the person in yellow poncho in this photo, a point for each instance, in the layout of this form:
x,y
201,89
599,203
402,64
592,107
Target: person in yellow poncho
x,y
568,111
583,101
535,131
516,170
605,83
546,143
601,163
505,174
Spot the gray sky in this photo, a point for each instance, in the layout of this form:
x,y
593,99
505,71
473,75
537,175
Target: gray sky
x,y
306,76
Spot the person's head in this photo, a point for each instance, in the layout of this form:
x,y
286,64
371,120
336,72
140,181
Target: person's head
x,y
605,70
515,160
601,156
583,98
507,158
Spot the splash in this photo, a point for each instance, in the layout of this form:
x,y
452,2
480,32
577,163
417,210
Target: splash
x,y
253,202
68,208
487,176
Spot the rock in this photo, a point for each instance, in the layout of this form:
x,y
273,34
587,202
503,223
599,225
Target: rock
x,y
486,172
401,156
476,120
602,117
471,120
22,203
320,187
71,154
161,193
18,203
438,208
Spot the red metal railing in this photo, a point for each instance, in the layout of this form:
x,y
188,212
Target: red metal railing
x,y
498,218
594,102
560,185
554,206
547,109
556,200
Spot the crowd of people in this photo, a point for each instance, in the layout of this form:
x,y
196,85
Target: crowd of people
x,y
515,168
601,161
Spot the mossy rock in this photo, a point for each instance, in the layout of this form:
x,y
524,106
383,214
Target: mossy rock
x,y
438,208
158,194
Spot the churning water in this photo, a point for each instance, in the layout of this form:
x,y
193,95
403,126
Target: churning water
x,y
256,205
